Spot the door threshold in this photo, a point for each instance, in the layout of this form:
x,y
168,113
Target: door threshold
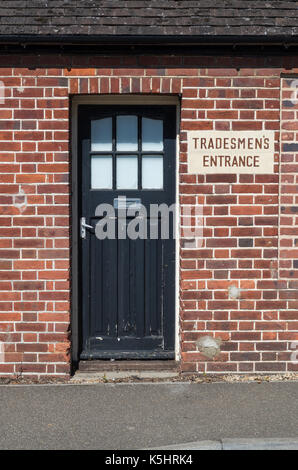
x,y
128,366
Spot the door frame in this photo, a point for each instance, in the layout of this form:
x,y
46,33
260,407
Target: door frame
x,y
129,99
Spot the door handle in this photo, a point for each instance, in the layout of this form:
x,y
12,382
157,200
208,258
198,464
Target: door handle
x,y
83,227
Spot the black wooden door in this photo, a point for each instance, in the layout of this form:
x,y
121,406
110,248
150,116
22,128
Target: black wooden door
x,y
127,156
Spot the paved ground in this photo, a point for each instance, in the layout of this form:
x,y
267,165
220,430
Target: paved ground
x,y
136,416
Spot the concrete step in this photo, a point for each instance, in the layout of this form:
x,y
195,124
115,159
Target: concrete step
x,y
97,370
127,365
86,377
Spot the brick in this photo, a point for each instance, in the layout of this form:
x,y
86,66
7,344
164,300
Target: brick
x,y
246,253
221,199
247,104
32,285
248,82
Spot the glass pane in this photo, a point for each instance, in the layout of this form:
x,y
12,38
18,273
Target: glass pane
x,y
127,133
101,172
152,135
152,172
101,135
127,172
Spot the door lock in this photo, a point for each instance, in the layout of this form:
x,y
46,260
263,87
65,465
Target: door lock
x,y
83,227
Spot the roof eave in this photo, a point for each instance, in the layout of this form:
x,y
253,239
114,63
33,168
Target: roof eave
x,y
148,40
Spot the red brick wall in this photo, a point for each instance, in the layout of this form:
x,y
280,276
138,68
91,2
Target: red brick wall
x,y
288,242
249,239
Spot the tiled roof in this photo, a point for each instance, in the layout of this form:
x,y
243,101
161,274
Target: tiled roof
x,y
102,18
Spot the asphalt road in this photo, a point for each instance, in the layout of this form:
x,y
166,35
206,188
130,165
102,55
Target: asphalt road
x,y
138,416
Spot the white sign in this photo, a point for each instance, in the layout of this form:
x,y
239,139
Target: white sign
x,y
212,152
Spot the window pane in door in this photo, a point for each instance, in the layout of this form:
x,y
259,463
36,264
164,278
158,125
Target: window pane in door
x,y
152,172
101,135
127,172
101,172
127,133
152,135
